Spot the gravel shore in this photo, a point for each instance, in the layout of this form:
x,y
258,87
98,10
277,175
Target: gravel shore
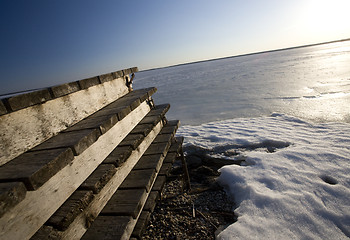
x,y
199,213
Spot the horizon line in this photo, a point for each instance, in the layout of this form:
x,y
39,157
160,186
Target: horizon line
x,y
247,54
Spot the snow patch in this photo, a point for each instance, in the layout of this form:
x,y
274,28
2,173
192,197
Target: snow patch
x,y
293,182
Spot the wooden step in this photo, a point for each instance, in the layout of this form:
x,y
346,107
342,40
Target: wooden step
x,y
103,182
53,170
130,198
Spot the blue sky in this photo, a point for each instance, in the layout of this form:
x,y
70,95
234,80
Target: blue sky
x,y
46,43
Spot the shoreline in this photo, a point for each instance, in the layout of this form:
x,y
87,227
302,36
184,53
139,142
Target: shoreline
x,y
248,54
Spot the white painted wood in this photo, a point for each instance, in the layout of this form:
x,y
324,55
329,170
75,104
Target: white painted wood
x,y
26,128
77,229
22,221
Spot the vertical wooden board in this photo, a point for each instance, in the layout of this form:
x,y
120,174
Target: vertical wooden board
x,y
31,126
30,214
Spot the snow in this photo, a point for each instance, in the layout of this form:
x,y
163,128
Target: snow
x,y
294,182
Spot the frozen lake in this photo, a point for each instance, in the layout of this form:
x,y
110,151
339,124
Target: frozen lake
x,y
311,83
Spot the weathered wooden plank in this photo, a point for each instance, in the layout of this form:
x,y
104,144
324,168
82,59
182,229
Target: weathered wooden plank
x,y
159,183
103,123
28,127
165,169
89,82
99,178
65,89
171,127
35,168
109,228
118,156
132,140
160,109
170,157
106,77
141,224
163,138
70,209
151,201
158,148
31,213
10,195
176,144
114,108
125,202
142,129
151,119
118,74
134,69
28,99
150,162
139,179
77,140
